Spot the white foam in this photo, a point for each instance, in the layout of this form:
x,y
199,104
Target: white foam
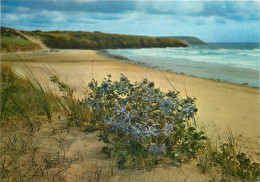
x,y
242,60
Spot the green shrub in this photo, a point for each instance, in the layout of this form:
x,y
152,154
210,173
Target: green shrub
x,y
143,125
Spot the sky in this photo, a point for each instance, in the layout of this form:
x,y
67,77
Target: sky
x,y
211,21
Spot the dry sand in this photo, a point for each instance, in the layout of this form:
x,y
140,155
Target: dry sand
x,y
220,105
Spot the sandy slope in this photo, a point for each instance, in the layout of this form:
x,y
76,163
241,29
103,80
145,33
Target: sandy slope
x,y
34,40
221,105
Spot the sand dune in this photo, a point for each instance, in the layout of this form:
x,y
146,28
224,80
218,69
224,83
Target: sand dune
x,y
221,105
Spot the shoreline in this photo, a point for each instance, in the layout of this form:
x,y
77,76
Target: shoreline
x,y
128,60
110,57
220,104
120,58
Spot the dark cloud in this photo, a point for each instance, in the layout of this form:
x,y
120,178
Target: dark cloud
x,y
228,9
66,5
242,10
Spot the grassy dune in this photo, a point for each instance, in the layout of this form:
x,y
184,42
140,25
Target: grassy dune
x,y
89,40
39,131
13,41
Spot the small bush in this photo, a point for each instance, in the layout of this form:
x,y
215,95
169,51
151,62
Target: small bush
x,y
142,124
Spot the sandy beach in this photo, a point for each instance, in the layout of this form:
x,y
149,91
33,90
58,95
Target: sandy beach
x,y
220,105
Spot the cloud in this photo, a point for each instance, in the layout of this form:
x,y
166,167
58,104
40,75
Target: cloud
x,y
170,7
205,19
10,17
74,6
237,10
248,10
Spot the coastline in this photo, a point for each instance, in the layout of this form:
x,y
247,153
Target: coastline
x,y
105,53
221,104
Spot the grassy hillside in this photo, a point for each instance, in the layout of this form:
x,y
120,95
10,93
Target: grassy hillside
x,y
98,40
12,41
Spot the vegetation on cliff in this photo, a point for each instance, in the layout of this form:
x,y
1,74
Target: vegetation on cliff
x,y
12,41
98,40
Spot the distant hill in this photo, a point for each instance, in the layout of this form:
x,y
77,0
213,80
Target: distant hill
x,y
99,40
13,40
189,40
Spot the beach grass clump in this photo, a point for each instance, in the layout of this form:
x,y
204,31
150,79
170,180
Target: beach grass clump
x,y
144,126
32,155
25,98
232,161
43,95
78,112
24,155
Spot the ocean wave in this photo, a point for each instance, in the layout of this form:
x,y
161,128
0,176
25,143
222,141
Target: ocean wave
x,y
208,61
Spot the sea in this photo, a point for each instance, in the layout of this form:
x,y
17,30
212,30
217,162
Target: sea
x,y
230,62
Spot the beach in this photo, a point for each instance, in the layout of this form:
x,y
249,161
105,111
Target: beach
x,y
220,105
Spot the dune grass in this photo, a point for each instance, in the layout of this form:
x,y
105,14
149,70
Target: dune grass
x,y
26,97
140,126
231,160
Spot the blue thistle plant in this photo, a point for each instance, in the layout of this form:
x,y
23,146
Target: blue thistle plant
x,y
141,119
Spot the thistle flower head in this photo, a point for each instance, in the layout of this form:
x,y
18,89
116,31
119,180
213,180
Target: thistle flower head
x,y
128,108
105,85
151,85
145,81
157,149
166,106
195,109
150,122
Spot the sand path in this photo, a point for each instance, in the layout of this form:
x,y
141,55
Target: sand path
x,y
36,41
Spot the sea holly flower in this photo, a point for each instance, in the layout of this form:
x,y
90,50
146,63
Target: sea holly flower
x,y
157,149
128,117
151,85
150,122
166,106
123,78
145,81
152,131
167,129
105,86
